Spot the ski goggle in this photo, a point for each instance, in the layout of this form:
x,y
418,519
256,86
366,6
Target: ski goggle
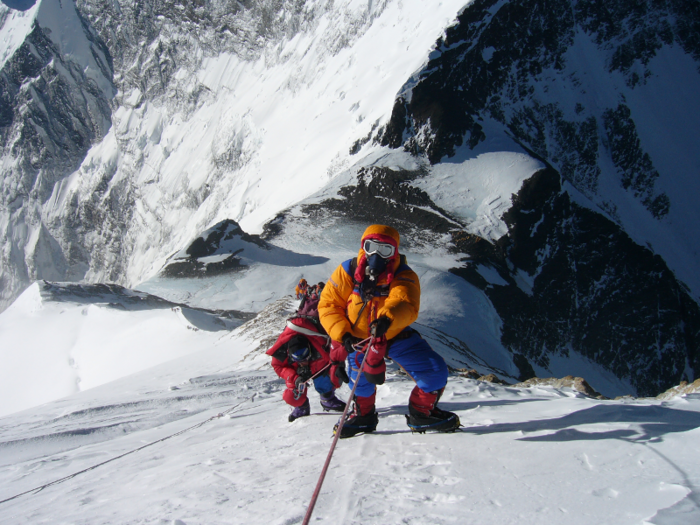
x,y
380,248
300,355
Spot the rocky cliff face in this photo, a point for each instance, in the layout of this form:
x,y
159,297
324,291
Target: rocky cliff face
x,y
55,93
572,279
513,62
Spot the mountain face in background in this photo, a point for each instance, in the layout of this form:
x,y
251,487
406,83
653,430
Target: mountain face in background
x,y
217,108
55,93
585,87
127,129
53,113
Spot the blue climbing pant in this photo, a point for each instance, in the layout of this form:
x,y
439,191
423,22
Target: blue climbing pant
x,y
323,384
425,366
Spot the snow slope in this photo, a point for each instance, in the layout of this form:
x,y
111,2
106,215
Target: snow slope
x,y
161,455
53,349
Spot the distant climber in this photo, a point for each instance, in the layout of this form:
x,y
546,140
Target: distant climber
x,y
301,288
300,352
378,294
309,304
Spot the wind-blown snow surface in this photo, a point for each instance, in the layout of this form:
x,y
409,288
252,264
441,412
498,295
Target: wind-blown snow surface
x,y
524,455
493,178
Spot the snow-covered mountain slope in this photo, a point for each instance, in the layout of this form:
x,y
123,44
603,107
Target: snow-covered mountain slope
x,y
15,24
229,111
55,88
61,339
204,438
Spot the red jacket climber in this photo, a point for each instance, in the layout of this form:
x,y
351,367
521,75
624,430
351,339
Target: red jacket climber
x,y
301,352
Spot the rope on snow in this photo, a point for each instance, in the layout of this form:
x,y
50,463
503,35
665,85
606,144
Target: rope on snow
x,y
71,476
317,491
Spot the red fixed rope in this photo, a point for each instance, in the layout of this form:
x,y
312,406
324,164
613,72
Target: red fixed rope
x,y
317,491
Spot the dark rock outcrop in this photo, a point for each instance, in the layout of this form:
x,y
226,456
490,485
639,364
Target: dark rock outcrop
x,y
578,384
211,243
578,283
498,62
51,112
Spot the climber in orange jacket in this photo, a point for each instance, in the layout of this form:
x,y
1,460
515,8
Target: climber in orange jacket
x,y
378,294
301,288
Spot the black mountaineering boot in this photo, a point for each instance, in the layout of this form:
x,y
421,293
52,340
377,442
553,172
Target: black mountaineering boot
x,y
438,420
358,424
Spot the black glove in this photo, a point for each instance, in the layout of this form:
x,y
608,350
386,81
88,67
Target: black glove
x,y
378,327
348,342
304,373
338,371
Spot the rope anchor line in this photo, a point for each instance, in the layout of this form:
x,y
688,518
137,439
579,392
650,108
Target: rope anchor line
x,y
71,476
322,477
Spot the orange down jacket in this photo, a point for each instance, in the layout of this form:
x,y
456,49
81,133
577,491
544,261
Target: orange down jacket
x,y
397,294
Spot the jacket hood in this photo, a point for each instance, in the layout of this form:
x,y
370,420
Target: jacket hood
x,y
380,233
